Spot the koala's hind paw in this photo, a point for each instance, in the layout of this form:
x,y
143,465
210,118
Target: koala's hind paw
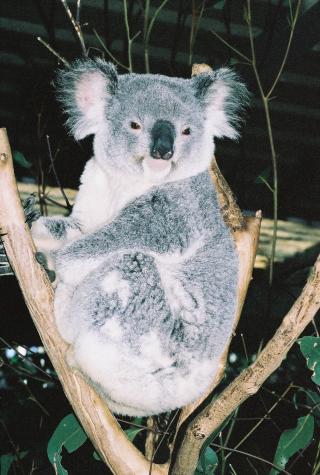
x,y
30,213
42,259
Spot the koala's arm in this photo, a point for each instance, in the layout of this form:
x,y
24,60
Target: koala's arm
x,y
50,234
153,225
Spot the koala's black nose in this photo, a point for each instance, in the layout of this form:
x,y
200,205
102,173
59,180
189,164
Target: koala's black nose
x,y
162,140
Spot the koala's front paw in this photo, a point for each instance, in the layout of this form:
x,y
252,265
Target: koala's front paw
x,y
30,213
47,264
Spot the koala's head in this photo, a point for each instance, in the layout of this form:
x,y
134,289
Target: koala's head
x,y
154,126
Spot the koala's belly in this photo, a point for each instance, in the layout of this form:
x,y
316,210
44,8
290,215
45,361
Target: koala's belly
x,y
143,333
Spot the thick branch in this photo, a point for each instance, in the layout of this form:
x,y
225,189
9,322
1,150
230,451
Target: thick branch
x,y
251,379
98,422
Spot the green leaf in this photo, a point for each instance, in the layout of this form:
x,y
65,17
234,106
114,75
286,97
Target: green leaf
x,y
96,456
21,160
5,463
207,463
132,432
68,434
313,399
7,459
264,177
293,440
310,348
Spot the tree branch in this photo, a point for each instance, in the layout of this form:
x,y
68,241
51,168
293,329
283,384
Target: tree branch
x,y
98,422
252,378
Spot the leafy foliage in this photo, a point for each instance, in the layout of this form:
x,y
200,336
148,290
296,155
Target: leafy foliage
x,y
6,461
208,462
68,434
310,348
293,440
20,159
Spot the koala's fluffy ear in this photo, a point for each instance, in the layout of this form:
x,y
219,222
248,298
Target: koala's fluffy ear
x,y
224,98
84,90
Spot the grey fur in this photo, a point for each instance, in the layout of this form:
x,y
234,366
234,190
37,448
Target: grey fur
x,y
146,296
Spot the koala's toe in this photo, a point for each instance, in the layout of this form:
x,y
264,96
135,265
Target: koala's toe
x,y
51,274
41,258
30,213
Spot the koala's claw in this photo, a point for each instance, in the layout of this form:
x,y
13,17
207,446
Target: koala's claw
x,y
30,213
42,260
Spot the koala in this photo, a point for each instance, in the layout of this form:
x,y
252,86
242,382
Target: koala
x,y
146,267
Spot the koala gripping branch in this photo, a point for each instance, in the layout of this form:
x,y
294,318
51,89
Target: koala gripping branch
x,y
100,425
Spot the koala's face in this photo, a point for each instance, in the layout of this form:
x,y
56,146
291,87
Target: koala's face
x,y
154,126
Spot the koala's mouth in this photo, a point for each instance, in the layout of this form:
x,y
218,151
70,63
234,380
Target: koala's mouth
x,y
156,167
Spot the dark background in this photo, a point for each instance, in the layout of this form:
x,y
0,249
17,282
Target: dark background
x,y
30,412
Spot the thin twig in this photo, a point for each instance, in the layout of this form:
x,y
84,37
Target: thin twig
x,y
293,26
56,175
265,101
15,448
238,52
266,416
53,51
104,46
145,31
195,23
271,143
54,202
252,456
148,30
76,25
129,39
78,11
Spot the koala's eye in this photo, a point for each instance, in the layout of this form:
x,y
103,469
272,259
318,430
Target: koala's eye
x,y
186,131
135,126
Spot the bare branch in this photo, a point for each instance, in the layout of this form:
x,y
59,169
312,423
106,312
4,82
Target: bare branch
x,y
69,207
292,28
148,29
104,46
76,25
53,51
129,38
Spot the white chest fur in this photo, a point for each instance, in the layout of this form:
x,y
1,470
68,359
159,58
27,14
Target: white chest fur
x,y
103,194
